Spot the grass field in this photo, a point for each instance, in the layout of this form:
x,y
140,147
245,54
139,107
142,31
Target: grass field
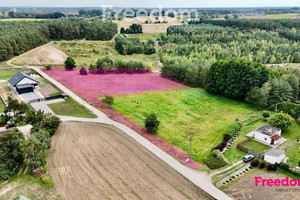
x,y
6,74
210,115
95,161
20,19
71,108
88,52
272,16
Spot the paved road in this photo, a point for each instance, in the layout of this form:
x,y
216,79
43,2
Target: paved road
x,y
200,179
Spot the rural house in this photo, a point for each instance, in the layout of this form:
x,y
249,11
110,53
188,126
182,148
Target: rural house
x,y
275,156
268,135
22,83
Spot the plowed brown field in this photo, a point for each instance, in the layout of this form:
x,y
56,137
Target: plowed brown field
x,y
94,161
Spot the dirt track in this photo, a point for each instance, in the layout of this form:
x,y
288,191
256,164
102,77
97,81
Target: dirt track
x,y
93,161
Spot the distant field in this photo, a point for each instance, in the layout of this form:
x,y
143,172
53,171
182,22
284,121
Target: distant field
x,y
272,16
88,52
209,114
21,19
94,161
71,108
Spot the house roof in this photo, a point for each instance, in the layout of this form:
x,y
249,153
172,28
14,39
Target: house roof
x,y
19,77
23,86
275,152
276,137
268,130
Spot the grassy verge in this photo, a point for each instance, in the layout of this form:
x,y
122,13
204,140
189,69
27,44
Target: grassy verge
x,y
88,52
30,187
1,106
71,108
209,114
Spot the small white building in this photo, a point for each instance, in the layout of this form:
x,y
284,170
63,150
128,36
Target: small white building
x,y
268,135
275,156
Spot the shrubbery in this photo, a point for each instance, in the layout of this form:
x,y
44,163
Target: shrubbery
x,y
133,29
129,46
83,71
215,160
266,114
255,163
70,63
222,146
290,108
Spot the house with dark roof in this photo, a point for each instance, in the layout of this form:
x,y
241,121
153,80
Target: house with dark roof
x,y
268,135
275,156
22,83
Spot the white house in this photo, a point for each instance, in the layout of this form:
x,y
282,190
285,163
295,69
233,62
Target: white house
x,y
23,83
268,135
275,156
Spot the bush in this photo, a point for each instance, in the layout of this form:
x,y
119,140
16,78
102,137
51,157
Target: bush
x,y
70,63
284,166
215,163
299,163
254,163
222,146
48,67
272,167
83,71
152,123
266,114
281,120
216,153
262,165
290,108
46,178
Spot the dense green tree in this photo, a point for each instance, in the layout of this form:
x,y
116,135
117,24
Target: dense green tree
x,y
34,152
281,120
70,63
43,136
152,123
235,78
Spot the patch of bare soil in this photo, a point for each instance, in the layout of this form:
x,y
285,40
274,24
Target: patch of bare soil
x,y
244,189
43,55
94,161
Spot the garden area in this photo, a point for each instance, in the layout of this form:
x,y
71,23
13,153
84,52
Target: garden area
x,y
71,108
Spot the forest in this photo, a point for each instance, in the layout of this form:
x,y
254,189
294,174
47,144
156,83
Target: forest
x,y
18,37
204,44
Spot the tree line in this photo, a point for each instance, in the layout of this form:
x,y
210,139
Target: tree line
x,y
18,37
204,44
128,46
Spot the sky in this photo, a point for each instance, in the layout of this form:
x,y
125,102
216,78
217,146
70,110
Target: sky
x,y
149,3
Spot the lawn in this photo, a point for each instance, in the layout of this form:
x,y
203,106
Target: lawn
x,y
177,110
6,74
88,52
257,146
71,108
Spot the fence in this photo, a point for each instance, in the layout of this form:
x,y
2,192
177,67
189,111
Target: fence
x,y
54,97
249,151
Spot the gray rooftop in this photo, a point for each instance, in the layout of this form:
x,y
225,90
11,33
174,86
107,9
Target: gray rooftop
x,y
23,86
19,77
275,152
268,130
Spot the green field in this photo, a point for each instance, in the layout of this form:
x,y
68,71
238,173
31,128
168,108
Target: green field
x,y
6,74
21,19
272,16
88,52
71,108
209,114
